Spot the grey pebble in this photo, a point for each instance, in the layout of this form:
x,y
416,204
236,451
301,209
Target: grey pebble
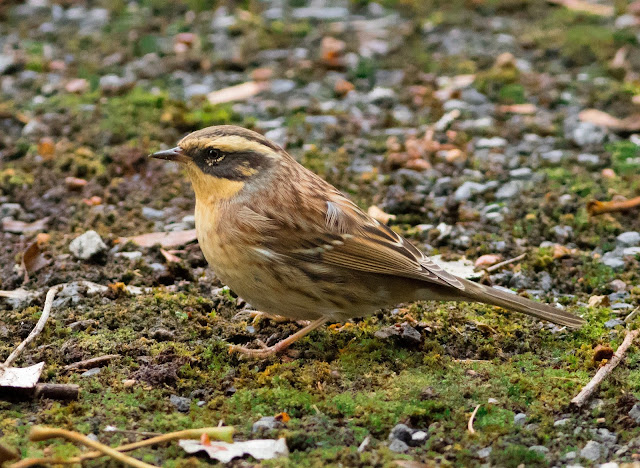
x,y
87,245
591,451
91,372
266,423
182,404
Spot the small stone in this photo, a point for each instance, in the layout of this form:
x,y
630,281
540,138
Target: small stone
x,y
162,334
613,323
87,246
570,455
128,383
628,239
562,233
381,96
152,213
587,134
404,332
418,438
398,446
607,437
561,422
401,432
91,372
495,142
523,173
509,190
634,413
591,451
553,157
182,404
129,255
321,13
266,423
539,449
588,159
468,189
519,419
618,285
484,453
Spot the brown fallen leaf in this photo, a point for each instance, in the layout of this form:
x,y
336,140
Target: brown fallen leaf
x,y
602,352
487,260
238,92
20,227
561,251
169,257
33,259
599,301
602,119
587,7
165,239
74,183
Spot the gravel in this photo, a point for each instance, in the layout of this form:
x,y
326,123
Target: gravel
x,y
88,245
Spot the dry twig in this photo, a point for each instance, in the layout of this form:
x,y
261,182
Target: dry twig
x,y
497,266
595,207
470,423
38,328
91,363
219,433
605,370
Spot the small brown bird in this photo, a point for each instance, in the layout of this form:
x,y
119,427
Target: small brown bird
x,y
291,244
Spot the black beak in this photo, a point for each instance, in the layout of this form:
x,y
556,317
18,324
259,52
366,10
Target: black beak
x,y
173,154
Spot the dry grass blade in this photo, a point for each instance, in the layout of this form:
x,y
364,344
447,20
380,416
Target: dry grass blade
x,y
165,239
219,433
497,266
93,362
39,433
473,416
586,7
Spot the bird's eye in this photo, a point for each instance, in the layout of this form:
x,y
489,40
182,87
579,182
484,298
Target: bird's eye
x,y
214,156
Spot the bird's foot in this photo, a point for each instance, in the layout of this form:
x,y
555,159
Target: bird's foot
x,y
266,351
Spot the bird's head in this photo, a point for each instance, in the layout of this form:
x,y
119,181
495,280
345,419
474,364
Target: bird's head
x,y
222,160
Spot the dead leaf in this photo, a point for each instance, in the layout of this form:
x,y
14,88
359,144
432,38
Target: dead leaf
x,y
74,183
602,352
410,464
33,258
379,215
587,7
21,377
602,119
169,257
238,92
165,239
518,108
261,449
282,417
487,260
46,148
599,301
561,251
20,227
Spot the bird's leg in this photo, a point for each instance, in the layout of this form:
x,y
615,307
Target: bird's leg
x,y
256,314
280,345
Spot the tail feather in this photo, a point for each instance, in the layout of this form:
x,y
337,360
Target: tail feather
x,y
485,294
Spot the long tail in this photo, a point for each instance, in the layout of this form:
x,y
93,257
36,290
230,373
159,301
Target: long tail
x,y
485,294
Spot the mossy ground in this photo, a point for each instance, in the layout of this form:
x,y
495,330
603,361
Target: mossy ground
x,y
339,385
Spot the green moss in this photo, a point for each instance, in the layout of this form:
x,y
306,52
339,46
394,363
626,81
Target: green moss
x,y
625,157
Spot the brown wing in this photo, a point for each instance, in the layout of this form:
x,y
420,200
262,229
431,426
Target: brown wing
x,y
349,238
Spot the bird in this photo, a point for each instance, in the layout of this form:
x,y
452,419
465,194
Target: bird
x,y
291,244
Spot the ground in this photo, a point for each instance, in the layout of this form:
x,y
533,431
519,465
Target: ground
x,y
409,106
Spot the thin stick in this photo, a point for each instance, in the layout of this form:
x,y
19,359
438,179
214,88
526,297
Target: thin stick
x,y
595,207
497,266
632,315
38,328
91,363
219,433
470,423
605,370
39,433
